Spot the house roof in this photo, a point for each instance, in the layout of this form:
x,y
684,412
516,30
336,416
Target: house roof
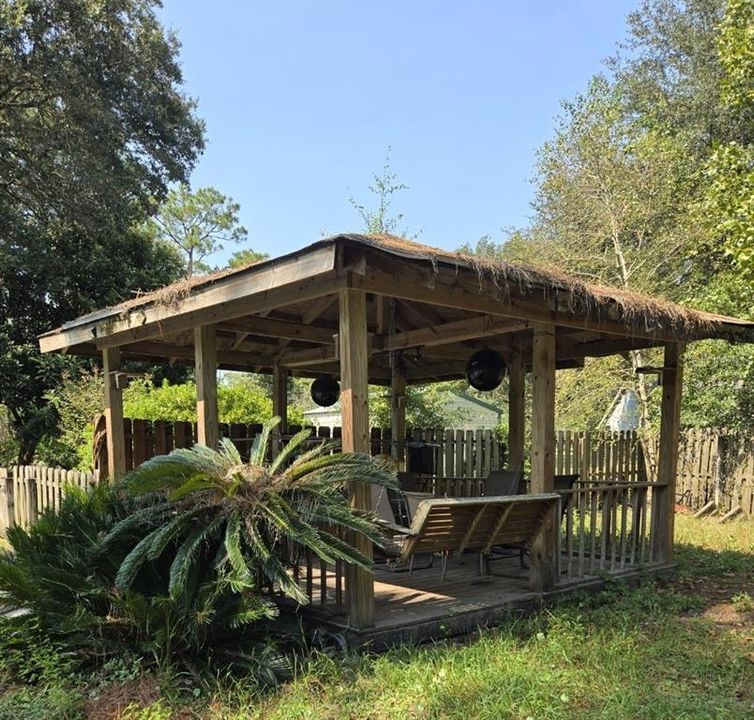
x,y
445,299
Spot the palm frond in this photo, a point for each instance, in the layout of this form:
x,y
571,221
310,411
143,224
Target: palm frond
x,y
180,568
233,547
259,448
288,451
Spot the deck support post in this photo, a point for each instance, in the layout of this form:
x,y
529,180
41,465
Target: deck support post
x,y
398,412
354,398
516,411
116,433
279,405
542,573
663,497
205,368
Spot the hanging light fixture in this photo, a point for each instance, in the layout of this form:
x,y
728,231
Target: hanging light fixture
x,y
485,369
325,391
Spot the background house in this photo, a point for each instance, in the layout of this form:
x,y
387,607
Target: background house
x,y
467,411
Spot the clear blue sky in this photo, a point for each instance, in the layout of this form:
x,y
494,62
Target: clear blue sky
x,y
301,100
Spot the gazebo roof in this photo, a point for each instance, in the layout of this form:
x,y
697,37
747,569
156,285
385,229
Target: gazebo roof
x,y
284,310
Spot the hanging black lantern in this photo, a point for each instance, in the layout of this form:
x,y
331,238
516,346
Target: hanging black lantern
x,y
486,369
325,391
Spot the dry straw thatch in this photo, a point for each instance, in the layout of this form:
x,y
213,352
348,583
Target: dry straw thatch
x,y
635,310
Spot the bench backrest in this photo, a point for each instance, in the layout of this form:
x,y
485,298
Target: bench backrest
x,y
477,524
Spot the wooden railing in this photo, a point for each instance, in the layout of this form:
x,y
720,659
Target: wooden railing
x,y
323,584
604,528
28,490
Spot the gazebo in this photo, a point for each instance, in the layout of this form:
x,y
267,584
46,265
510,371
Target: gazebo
x,y
383,310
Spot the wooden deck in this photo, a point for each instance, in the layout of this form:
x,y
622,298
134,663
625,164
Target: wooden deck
x,y
418,606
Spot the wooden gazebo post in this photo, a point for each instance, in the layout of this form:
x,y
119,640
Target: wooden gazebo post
x,y
205,369
663,496
354,399
542,575
279,405
398,412
516,411
116,434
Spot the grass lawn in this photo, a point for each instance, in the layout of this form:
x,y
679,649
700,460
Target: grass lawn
x,y
682,651
685,650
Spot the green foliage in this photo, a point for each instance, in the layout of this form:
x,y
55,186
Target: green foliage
x,y
254,519
197,224
425,406
78,399
736,47
91,99
647,184
167,565
743,602
241,258
384,187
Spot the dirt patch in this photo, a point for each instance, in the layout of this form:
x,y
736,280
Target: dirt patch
x,y
112,701
727,614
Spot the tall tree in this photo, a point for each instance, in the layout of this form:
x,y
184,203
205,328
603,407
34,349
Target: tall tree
x,y
93,128
646,185
197,224
380,218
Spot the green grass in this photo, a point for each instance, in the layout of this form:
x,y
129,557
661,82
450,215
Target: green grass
x,y
671,651
647,653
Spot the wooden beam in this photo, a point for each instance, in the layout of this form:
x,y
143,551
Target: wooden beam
x,y
205,364
422,317
663,498
516,411
398,413
354,399
382,307
602,348
542,573
237,358
268,327
116,435
465,290
308,356
266,286
457,331
317,308
279,405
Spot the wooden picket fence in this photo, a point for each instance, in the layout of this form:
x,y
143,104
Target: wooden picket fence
x,y
598,456
28,490
713,465
470,453
716,466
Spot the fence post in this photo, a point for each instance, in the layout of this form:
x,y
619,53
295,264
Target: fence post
x,y
6,519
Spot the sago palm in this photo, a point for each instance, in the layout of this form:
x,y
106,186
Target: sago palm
x,y
250,520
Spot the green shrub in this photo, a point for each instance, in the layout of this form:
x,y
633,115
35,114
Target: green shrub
x,y
166,566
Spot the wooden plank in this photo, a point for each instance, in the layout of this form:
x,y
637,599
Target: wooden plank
x,y
317,308
139,434
6,517
270,286
398,412
279,406
456,331
469,454
459,443
542,449
467,291
205,349
116,448
449,456
354,402
516,411
283,329
663,498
